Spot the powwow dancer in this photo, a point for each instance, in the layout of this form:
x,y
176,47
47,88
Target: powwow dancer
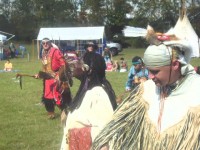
x,y
93,105
164,113
56,85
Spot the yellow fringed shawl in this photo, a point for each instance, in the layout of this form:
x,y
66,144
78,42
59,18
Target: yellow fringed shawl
x,y
131,129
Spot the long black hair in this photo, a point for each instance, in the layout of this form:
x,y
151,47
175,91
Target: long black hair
x,y
95,76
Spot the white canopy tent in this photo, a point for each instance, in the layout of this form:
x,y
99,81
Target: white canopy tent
x,y
79,35
3,38
72,33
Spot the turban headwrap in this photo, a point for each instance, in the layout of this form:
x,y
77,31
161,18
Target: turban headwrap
x,y
161,55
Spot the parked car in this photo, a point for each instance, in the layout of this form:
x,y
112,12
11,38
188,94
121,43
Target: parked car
x,y
115,48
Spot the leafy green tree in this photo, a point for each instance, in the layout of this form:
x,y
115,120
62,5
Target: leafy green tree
x,y
115,18
57,13
5,15
6,8
23,20
95,12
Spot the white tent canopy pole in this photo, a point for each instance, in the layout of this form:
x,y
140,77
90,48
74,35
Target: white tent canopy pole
x,y
6,33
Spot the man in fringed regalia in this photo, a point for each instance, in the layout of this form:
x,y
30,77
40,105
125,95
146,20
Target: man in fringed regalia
x,y
93,105
55,74
163,113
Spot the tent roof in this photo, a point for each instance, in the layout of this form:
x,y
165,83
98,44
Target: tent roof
x,y
3,37
72,33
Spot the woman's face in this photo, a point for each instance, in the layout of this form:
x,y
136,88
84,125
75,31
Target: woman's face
x,y
90,48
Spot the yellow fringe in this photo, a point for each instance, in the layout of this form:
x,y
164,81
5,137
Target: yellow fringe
x,y
131,129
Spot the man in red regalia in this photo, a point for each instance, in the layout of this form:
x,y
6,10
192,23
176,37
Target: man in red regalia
x,y
53,61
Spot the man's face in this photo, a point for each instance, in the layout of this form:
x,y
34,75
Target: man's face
x,y
46,45
138,66
160,75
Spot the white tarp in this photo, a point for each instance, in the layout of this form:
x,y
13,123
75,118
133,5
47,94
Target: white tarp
x,y
72,33
3,38
134,31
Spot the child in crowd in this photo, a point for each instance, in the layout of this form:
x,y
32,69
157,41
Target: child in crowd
x,y
107,55
116,66
123,65
109,66
8,66
137,74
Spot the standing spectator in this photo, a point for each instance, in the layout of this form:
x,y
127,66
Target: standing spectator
x,y
8,66
1,50
91,47
107,55
12,50
136,74
53,61
93,105
22,48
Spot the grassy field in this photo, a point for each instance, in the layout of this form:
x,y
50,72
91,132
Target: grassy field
x,y
23,123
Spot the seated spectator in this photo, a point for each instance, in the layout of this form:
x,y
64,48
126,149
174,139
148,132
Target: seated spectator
x,y
8,66
123,65
22,49
137,73
116,66
109,66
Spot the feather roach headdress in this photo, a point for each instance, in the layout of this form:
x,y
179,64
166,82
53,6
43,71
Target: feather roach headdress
x,y
169,41
157,38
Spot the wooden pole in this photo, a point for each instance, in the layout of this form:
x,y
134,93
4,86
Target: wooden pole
x,y
182,9
33,52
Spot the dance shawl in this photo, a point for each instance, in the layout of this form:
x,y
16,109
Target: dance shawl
x,y
132,129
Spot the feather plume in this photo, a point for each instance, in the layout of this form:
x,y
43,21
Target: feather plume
x,y
156,38
151,36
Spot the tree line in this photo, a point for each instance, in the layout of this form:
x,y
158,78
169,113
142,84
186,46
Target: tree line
x,y
24,18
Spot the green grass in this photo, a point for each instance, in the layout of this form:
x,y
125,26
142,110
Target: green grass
x,y
23,124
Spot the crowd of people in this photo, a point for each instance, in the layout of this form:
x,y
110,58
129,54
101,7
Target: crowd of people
x,y
160,84
11,51
114,65
161,111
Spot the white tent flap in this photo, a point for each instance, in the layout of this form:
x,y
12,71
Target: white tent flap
x,y
134,32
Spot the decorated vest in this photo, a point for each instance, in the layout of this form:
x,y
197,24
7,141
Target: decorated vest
x,y
47,61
